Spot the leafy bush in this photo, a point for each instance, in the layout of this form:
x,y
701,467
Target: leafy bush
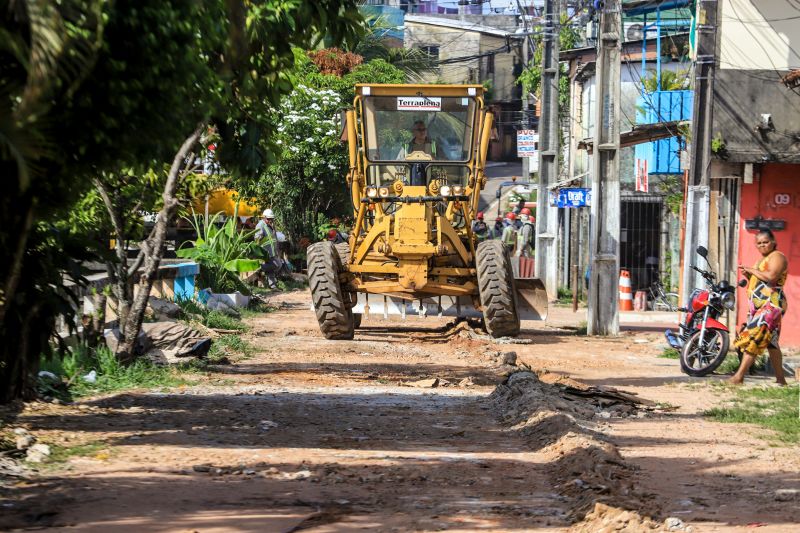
x,y
222,252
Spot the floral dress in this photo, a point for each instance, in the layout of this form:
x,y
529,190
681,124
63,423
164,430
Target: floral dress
x,y
767,307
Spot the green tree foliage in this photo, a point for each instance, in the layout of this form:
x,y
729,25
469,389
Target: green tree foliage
x,y
90,88
670,80
531,77
306,183
372,44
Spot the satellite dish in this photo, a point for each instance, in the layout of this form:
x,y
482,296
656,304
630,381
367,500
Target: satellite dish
x,y
635,32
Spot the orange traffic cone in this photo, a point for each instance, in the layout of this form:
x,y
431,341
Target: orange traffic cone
x,y
625,295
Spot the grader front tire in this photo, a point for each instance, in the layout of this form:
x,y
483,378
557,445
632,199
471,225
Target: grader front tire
x,y
496,289
333,313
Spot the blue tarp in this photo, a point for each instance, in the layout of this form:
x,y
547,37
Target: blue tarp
x,y
663,157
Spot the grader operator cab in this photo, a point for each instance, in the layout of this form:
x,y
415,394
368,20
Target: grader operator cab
x,y
417,159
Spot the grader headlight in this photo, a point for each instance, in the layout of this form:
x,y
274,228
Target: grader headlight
x,y
398,187
458,190
372,192
444,190
383,192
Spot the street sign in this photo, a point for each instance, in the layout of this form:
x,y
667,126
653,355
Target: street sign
x,y
573,197
527,143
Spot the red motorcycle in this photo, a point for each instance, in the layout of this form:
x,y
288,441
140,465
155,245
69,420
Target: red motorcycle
x,y
703,340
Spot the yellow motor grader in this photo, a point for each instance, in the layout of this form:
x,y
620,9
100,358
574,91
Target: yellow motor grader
x,y
417,159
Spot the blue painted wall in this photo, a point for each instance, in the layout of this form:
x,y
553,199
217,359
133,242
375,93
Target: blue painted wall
x,y
663,157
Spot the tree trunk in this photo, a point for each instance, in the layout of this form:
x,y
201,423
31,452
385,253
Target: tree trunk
x,y
118,271
151,249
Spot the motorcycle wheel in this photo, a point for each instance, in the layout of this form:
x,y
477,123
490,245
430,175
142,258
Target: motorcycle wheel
x,y
696,362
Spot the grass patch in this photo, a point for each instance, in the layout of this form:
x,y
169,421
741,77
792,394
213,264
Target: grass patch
x,y
210,318
62,454
774,408
229,345
670,353
256,308
219,320
731,364
111,375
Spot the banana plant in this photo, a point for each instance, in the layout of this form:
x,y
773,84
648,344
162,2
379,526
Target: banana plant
x,y
223,252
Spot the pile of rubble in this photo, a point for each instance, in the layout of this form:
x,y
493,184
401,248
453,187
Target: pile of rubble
x,y
559,417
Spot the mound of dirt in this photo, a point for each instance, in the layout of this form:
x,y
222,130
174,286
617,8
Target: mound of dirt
x,y
557,418
607,519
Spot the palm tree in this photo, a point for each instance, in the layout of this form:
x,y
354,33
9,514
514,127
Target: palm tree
x,y
414,62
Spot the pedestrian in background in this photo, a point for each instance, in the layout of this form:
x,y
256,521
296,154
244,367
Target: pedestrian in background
x,y
267,236
767,305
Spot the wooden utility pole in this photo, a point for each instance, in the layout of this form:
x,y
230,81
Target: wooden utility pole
x,y
698,193
547,216
603,312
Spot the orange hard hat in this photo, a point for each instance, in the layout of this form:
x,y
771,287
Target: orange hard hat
x,y
479,216
511,216
525,211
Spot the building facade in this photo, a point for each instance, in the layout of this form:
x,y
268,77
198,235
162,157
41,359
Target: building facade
x,y
753,177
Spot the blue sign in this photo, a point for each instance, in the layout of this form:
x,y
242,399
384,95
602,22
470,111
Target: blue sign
x,y
573,197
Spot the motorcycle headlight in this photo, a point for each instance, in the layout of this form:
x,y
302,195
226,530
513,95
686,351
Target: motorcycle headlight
x,y
383,192
444,190
372,192
728,300
458,190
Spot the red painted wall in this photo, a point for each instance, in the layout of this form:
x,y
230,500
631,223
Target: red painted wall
x,y
775,194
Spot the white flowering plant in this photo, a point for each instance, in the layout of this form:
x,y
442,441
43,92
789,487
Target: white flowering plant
x,y
307,177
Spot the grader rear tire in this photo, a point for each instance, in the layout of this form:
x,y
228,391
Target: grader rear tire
x,y
333,314
496,288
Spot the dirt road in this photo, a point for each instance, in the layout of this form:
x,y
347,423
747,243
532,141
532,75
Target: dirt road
x,y
410,429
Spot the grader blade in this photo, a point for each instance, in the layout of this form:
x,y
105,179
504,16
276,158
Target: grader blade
x,y
531,299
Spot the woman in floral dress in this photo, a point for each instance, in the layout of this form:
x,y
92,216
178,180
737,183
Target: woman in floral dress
x,y
767,307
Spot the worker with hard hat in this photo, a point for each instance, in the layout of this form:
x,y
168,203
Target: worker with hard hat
x,y
479,227
496,232
336,237
509,236
527,234
267,236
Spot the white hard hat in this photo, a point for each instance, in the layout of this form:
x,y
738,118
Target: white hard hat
x,y
268,213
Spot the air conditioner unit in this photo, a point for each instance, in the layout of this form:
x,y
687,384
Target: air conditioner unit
x,y
634,31
591,30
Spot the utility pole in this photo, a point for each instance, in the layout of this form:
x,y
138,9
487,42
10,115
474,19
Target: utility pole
x,y
603,313
698,193
527,56
547,216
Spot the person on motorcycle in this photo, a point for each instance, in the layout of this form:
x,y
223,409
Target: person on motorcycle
x,y
479,227
526,234
767,299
